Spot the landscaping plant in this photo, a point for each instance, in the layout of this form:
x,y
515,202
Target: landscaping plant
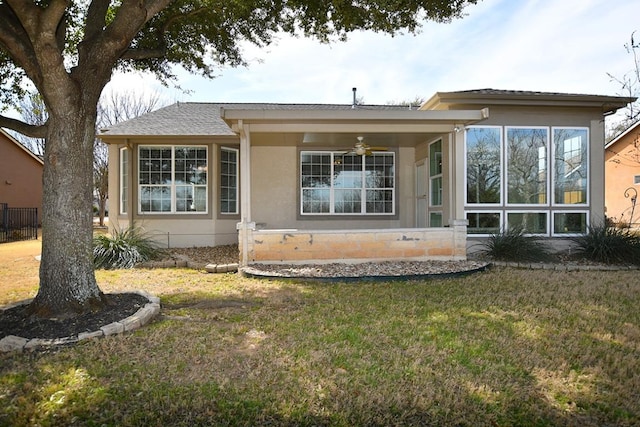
x,y
609,245
514,245
124,249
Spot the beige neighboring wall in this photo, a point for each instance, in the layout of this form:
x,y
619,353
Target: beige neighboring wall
x,y
20,175
622,165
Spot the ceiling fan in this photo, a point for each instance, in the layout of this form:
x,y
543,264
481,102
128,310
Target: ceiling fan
x,y
362,149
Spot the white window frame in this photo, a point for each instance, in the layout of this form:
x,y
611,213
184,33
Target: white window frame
x,y
237,176
500,225
507,226
440,175
436,213
553,220
363,188
506,168
172,186
466,175
587,161
125,159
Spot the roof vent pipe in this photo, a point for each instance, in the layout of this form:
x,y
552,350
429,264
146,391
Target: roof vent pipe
x,y
355,102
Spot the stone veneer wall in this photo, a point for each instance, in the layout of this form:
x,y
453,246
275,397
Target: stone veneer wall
x,y
323,246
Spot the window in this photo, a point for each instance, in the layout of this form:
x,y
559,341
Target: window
x,y
636,179
528,222
483,222
124,180
435,219
347,184
526,154
435,173
483,163
229,181
172,179
567,223
546,174
570,166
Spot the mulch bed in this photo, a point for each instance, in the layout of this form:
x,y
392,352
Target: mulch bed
x,y
17,321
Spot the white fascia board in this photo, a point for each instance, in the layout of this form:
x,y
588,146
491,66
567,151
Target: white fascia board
x,y
281,116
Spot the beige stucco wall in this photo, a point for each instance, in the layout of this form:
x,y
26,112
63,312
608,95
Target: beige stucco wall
x,y
174,230
275,187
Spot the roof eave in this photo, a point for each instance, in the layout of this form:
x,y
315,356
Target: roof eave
x,y
607,104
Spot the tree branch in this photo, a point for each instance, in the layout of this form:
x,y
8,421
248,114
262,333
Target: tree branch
x,y
138,54
34,131
15,41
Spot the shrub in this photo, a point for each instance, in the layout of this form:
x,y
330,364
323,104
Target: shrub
x,y
609,245
514,245
124,249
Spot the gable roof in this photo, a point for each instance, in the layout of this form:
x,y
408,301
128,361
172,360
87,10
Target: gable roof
x,y
608,104
17,143
204,119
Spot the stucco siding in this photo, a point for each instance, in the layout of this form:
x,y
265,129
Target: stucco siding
x,y
275,193
622,164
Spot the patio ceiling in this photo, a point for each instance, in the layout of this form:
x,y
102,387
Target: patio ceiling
x,y
342,127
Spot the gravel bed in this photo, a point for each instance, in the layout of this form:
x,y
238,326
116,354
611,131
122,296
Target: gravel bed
x,y
199,257
228,254
366,269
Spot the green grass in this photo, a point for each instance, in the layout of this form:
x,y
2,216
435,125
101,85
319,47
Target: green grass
x,y
504,347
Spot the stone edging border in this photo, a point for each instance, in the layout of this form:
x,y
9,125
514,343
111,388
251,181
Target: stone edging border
x,y
564,267
140,318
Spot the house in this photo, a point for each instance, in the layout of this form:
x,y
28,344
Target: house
x,y
622,177
325,183
20,174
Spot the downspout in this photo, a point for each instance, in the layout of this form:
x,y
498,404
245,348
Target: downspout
x,y
245,190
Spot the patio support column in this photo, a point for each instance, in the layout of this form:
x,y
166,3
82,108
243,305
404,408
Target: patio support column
x,y
457,175
245,226
596,172
131,185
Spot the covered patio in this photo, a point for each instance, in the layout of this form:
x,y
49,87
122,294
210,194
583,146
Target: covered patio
x,y
279,225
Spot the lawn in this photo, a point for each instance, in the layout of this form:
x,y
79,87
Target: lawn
x,y
499,348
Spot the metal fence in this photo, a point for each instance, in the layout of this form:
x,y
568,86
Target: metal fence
x,y
18,223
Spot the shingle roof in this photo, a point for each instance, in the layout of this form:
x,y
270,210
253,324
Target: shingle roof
x,y
203,119
490,91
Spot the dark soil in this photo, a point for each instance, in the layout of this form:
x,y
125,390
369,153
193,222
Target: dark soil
x,y
17,321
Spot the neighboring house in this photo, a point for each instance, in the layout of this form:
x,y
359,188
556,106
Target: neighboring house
x,y
622,177
20,175
322,183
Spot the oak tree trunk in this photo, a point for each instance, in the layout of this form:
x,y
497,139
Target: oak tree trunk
x,y
67,281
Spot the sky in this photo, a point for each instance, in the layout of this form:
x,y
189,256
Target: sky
x,y
541,45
